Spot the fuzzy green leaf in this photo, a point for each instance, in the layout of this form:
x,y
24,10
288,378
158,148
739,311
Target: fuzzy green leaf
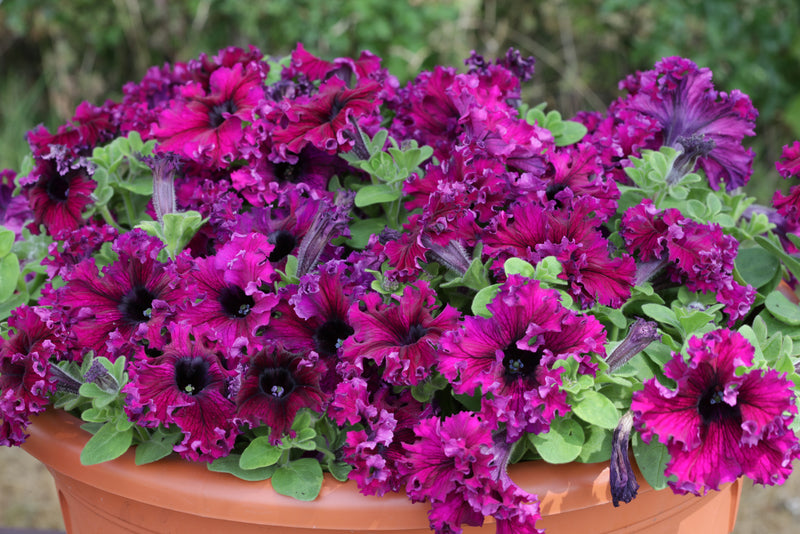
x,y
652,459
230,464
782,308
596,409
260,453
301,479
562,444
108,443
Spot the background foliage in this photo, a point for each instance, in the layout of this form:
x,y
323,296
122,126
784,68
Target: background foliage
x,y
55,53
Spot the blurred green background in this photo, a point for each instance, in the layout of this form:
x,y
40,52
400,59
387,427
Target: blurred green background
x,y
55,53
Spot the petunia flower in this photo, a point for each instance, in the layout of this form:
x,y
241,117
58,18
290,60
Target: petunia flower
x,y
719,423
187,387
402,336
275,386
510,356
207,127
683,102
26,379
58,197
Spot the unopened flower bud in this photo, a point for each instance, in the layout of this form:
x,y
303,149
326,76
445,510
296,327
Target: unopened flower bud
x,y
65,381
694,147
98,374
640,335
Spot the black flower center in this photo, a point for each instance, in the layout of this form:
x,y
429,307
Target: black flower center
x,y
136,305
286,172
712,407
414,334
215,117
276,382
235,303
57,188
191,374
329,335
284,244
553,189
336,106
520,363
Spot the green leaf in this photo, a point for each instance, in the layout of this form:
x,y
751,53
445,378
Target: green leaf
x,y
339,470
782,308
482,299
660,313
230,464
518,266
571,133
106,444
301,479
596,409
6,241
362,229
597,447
652,459
562,444
260,453
376,194
756,266
157,447
9,273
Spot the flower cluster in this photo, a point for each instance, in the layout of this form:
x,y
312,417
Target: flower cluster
x,y
305,263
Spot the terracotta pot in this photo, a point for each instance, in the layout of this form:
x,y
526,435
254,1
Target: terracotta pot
x,y
175,496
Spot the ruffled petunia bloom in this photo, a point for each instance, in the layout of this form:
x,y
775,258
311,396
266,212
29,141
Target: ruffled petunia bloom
x,y
510,355
232,301
455,465
128,304
685,105
207,127
186,386
275,386
402,336
323,120
58,197
26,379
719,423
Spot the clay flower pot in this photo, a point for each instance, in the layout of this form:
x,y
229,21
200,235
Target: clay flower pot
x,y
175,496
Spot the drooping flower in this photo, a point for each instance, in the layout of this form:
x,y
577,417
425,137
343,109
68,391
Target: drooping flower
x,y
276,385
684,103
207,128
509,356
186,386
719,423
402,336
25,376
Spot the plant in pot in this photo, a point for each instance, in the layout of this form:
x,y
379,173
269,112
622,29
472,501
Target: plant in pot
x,y
300,270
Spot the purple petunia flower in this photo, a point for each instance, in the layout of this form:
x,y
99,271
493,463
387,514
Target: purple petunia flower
x,y
207,128
402,336
683,102
719,423
186,386
510,355
134,297
276,385
58,196
25,376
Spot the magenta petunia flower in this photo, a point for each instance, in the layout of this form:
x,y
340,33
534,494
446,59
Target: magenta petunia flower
x,y
402,336
89,127
719,423
230,286
789,164
532,232
14,210
323,119
187,387
275,386
25,376
510,355
207,128
683,101
455,465
58,197
134,297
